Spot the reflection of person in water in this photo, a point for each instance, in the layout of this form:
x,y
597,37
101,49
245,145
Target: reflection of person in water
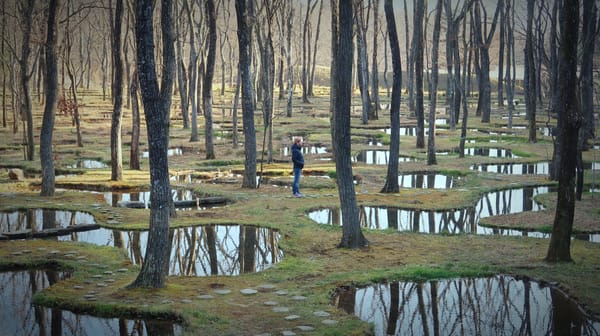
x,y
298,160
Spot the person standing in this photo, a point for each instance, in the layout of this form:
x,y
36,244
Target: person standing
x,y
298,160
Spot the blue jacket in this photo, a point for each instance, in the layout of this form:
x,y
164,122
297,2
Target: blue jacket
x,y
297,157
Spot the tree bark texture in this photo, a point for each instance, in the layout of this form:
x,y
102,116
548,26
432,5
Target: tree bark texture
x,y
570,121
156,108
352,236
26,10
51,90
431,159
419,16
244,12
208,78
530,70
116,152
391,181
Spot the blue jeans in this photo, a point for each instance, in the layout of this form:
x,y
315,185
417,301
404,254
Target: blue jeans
x,y
296,184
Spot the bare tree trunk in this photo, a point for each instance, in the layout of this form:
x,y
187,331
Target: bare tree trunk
x,y
374,71
2,68
236,99
208,78
409,47
116,152
391,181
570,120
290,67
192,75
311,79
244,10
417,40
310,6
510,45
51,91
134,157
590,15
352,236
431,160
157,103
26,10
182,79
362,61
333,72
530,70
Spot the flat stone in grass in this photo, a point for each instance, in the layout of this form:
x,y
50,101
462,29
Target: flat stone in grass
x,y
248,291
282,292
186,301
305,328
222,291
288,333
270,303
205,297
298,298
329,322
281,309
292,317
266,287
321,313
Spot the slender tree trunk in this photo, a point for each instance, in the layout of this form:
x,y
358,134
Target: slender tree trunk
x,y
373,115
26,9
590,15
134,157
236,100
391,181
530,70
333,72
51,91
208,78
411,63
116,152
418,61
182,79
311,79
431,160
570,117
502,43
510,44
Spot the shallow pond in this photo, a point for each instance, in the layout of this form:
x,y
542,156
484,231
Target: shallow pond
x,y
201,250
426,181
539,168
456,221
88,164
377,157
306,150
490,152
38,221
170,152
19,316
499,305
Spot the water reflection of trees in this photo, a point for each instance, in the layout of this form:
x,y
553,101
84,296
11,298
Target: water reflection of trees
x,y
37,220
19,316
426,181
500,305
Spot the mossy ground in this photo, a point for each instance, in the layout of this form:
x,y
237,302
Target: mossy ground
x,y
312,265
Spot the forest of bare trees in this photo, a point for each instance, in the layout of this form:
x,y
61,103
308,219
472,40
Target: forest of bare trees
x,y
250,53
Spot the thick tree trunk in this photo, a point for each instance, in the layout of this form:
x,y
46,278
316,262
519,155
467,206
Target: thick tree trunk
x,y
352,236
570,121
51,90
244,10
156,107
391,181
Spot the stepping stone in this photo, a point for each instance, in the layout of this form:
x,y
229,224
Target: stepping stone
x,y
263,334
281,309
89,296
305,328
222,291
281,292
270,303
298,298
186,301
26,251
110,280
41,249
122,270
248,291
266,287
288,333
101,284
17,253
97,276
108,272
321,313
77,287
205,297
292,317
329,322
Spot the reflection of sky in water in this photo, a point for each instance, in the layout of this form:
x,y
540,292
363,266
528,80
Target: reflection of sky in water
x,y
451,221
377,157
306,150
113,198
170,152
39,219
88,164
406,131
490,152
19,317
500,305
539,168
193,246
426,181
